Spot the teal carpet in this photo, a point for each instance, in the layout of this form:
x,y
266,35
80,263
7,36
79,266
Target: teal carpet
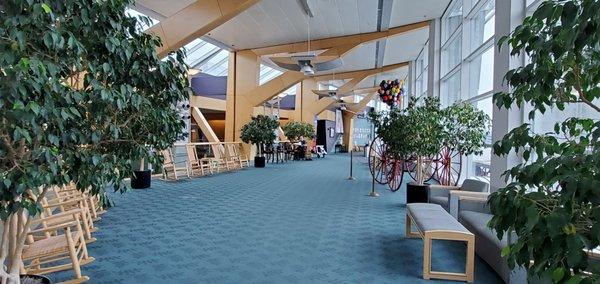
x,y
300,222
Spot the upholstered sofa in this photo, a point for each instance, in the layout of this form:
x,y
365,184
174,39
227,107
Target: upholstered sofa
x,y
474,214
440,194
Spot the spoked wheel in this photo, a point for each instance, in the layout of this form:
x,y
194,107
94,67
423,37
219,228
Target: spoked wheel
x,y
411,167
395,174
378,160
448,167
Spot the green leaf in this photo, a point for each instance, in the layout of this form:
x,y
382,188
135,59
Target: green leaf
x,y
46,8
505,251
558,274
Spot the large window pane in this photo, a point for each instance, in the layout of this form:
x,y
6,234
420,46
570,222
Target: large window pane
x,y
479,165
544,123
451,55
481,76
452,19
451,90
482,25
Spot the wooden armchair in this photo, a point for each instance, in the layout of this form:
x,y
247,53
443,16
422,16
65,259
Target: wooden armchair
x,y
235,154
199,166
48,255
231,162
57,206
170,166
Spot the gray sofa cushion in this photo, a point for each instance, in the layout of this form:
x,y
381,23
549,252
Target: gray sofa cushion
x,y
440,200
430,217
475,185
488,246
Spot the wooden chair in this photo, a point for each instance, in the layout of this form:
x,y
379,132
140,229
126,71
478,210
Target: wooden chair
x,y
57,252
94,203
219,160
56,207
234,152
229,160
170,166
197,165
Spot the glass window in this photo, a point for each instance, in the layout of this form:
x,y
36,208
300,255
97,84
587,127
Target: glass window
x,y
267,74
479,165
142,24
482,25
451,54
544,123
217,64
453,19
450,90
481,73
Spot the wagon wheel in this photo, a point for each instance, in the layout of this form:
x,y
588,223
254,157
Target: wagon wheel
x,y
378,160
395,175
411,165
449,167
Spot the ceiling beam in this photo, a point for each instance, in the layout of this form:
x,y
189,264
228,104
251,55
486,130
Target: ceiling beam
x,y
349,40
354,74
194,21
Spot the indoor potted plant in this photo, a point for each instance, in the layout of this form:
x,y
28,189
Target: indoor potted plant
x,y
76,110
413,134
551,201
297,130
425,138
465,131
260,131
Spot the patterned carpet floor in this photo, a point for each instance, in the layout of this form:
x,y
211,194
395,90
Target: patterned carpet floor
x,y
299,222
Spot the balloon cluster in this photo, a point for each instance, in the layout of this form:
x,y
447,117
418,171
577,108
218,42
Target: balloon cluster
x,y
390,91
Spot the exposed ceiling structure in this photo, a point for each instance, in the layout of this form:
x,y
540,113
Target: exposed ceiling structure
x,y
275,22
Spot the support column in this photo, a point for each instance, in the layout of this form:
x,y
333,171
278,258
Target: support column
x,y
434,51
348,120
243,72
509,14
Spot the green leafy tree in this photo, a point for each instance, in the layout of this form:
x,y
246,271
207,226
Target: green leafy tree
x,y
552,199
83,94
260,131
416,132
296,129
465,128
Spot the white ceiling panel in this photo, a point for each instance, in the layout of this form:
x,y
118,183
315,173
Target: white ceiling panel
x,y
273,22
161,7
362,57
405,47
374,81
410,11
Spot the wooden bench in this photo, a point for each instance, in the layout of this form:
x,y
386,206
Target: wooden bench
x,y
434,223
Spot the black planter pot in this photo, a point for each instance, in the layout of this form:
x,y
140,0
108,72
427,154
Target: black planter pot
x,y
33,278
259,162
417,193
141,179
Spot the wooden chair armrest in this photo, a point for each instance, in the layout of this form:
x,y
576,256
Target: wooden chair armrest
x,y
444,187
57,216
68,202
53,228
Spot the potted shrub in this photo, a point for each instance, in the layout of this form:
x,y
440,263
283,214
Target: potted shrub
x,y
415,133
465,130
425,138
552,199
260,131
297,130
80,101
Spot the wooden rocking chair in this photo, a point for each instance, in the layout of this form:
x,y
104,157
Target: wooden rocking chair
x,y
199,166
48,255
170,166
58,206
234,150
